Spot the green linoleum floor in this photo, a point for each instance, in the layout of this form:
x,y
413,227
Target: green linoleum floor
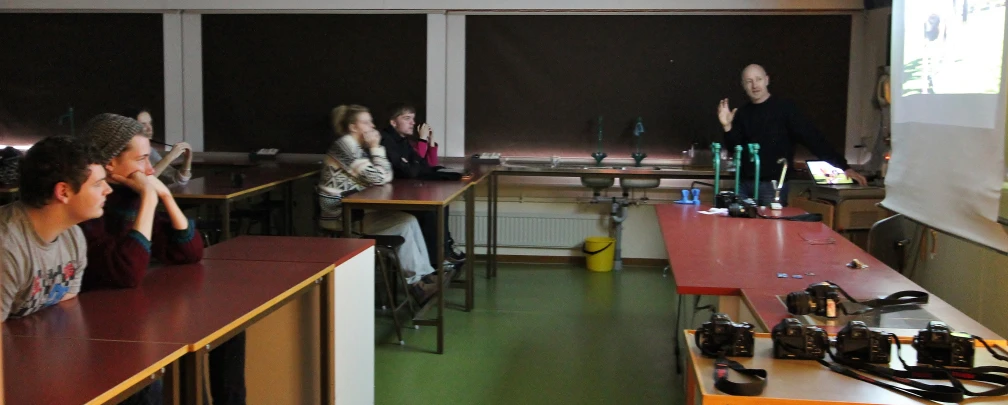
x,y
541,334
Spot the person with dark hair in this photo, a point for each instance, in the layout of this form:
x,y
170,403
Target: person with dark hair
x,y
43,252
122,243
777,126
414,157
162,167
347,168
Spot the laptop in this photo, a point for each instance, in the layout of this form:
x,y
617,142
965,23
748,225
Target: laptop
x,y
827,175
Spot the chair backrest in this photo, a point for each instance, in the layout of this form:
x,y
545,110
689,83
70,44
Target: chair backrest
x,y
888,241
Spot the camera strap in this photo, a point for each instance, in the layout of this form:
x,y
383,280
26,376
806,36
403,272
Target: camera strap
x,y
897,298
989,374
721,366
721,382
941,393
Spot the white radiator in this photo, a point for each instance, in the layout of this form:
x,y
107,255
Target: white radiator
x,y
531,229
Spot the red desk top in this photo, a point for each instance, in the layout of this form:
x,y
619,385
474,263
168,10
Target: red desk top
x,y
220,185
770,311
714,255
410,191
189,304
288,249
74,371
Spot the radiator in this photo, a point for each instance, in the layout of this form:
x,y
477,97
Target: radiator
x,y
531,229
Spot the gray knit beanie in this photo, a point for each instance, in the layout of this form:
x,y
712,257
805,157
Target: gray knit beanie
x,y
110,134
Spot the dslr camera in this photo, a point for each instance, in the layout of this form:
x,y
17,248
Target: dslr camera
x,y
720,334
743,208
814,300
857,342
792,340
724,199
938,345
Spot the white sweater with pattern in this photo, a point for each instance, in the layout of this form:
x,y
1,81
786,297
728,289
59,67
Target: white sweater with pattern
x,y
346,168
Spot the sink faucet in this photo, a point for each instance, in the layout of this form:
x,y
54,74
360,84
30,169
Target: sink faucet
x,y
599,154
637,132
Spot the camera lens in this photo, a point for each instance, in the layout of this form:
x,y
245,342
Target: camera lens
x,y
799,303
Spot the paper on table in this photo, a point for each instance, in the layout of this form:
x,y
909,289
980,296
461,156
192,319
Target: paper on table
x,y
715,211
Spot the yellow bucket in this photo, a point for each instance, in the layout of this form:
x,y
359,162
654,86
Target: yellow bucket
x,y
599,251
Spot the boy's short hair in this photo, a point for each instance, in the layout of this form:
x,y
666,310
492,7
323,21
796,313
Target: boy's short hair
x,y
395,110
53,160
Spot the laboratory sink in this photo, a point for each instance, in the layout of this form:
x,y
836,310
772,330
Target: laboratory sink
x,y
626,182
597,181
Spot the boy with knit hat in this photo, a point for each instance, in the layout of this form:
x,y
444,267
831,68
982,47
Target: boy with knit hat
x,y
122,242
42,251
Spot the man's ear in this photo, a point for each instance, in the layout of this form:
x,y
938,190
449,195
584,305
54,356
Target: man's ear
x,y
768,80
62,192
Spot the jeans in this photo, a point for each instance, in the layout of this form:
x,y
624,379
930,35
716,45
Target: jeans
x,y
766,192
428,224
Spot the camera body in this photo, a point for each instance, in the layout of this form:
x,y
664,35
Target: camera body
x,y
939,345
724,199
792,340
743,208
857,342
815,299
721,334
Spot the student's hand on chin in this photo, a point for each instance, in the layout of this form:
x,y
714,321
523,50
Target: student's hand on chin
x,y
159,186
136,181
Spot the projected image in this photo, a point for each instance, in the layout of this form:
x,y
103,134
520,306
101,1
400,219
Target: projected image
x,y
953,46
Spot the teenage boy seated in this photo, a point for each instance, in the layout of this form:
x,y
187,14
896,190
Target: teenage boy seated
x,y
122,242
43,250
411,157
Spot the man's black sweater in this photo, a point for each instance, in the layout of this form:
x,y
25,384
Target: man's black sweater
x,y
406,162
776,125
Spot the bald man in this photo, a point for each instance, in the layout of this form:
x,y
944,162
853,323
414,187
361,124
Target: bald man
x,y
776,126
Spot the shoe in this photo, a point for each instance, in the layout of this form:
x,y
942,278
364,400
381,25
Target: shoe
x,y
449,272
452,253
422,292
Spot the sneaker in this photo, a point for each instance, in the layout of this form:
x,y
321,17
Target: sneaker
x,y
449,272
422,292
453,253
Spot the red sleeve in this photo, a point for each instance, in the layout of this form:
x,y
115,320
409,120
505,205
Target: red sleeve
x,y
172,246
113,261
427,152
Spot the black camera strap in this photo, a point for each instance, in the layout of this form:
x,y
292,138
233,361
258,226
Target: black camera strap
x,y
897,298
721,382
989,374
932,392
721,366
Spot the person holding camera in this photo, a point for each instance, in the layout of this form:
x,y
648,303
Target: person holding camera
x,y
777,126
416,156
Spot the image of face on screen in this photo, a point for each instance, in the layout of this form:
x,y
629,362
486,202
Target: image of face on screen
x,y
953,46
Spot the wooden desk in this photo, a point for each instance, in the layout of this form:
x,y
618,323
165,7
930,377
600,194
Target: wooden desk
x,y
47,370
714,255
769,311
294,249
804,381
222,189
413,194
344,289
199,306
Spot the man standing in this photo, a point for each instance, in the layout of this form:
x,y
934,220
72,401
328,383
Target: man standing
x,y
776,125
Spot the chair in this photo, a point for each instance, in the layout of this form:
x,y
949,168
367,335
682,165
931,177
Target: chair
x,y
387,265
888,241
